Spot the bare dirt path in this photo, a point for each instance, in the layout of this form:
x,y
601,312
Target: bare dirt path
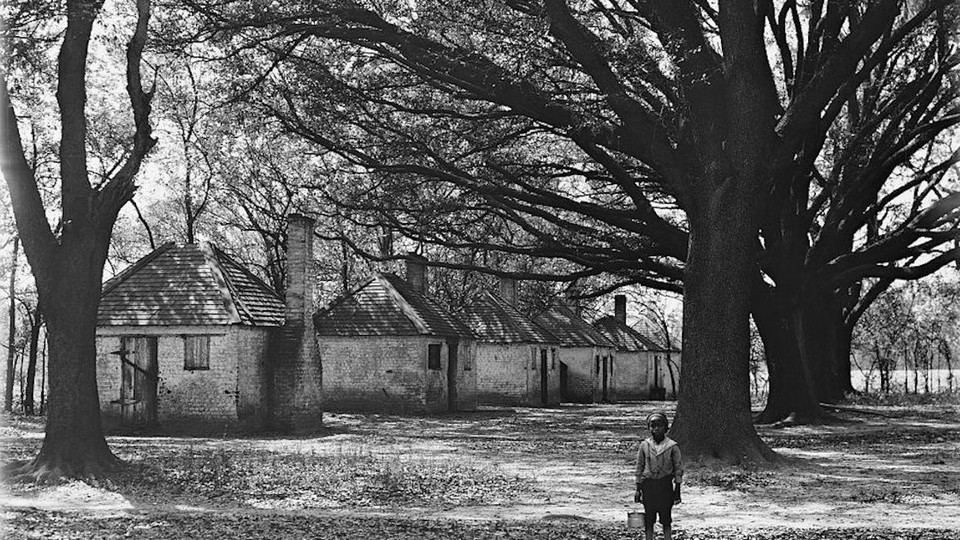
x,y
879,469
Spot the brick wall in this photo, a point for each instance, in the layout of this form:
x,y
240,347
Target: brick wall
x,y
509,374
296,379
582,381
252,344
295,372
226,396
390,374
467,375
631,375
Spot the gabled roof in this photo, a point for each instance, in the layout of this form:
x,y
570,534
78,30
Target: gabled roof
x,y
193,284
387,306
572,330
496,321
625,337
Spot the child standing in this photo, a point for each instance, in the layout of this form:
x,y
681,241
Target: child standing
x,y
659,473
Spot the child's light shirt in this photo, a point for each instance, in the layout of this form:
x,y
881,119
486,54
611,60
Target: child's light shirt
x,y
658,460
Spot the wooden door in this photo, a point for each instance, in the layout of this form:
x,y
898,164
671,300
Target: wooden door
x,y
452,364
563,381
544,387
138,385
605,379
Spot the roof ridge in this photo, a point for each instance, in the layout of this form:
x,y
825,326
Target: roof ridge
x,y
496,297
404,305
116,280
342,298
574,320
648,342
226,288
223,254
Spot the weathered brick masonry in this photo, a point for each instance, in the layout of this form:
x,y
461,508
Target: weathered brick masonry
x,y
388,347
586,355
296,392
510,374
516,358
228,395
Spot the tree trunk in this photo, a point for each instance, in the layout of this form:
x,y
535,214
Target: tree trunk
x,y
713,410
12,330
822,330
791,396
843,365
74,444
28,403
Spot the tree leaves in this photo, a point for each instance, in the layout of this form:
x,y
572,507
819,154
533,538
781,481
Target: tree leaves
x,y
27,523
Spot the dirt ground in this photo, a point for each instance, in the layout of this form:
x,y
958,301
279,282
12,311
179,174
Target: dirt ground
x,y
878,468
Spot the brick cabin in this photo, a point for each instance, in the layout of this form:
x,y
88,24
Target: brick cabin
x,y
586,356
388,347
187,338
517,359
633,373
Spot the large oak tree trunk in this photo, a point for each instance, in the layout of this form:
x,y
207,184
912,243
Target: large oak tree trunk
x,y
791,396
74,444
68,269
825,341
842,354
713,412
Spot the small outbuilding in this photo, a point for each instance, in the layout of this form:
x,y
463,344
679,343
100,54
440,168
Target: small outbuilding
x,y
636,356
517,359
586,356
387,346
187,338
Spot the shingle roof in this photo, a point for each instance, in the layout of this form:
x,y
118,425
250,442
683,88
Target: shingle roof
x,y
194,284
496,321
625,337
387,306
572,331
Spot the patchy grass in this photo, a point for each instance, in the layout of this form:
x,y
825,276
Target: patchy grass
x,y
290,481
32,524
733,480
883,472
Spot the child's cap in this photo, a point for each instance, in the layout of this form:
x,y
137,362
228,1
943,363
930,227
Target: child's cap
x,y
657,416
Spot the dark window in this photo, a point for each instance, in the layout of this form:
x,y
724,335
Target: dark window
x,y
433,356
598,364
543,357
196,352
553,359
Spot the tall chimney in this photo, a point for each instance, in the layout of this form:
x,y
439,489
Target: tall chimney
x,y
573,304
417,272
620,307
508,290
296,393
300,275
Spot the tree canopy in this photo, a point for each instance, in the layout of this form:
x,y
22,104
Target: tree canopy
x,y
756,154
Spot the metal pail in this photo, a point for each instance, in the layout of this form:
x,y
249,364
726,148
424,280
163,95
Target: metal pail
x,y
635,520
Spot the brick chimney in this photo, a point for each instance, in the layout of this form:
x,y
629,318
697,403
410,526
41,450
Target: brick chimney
x,y
573,304
295,373
620,308
417,276
300,271
508,290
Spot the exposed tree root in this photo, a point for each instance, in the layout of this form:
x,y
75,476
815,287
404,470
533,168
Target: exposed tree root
x,y
51,470
782,419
